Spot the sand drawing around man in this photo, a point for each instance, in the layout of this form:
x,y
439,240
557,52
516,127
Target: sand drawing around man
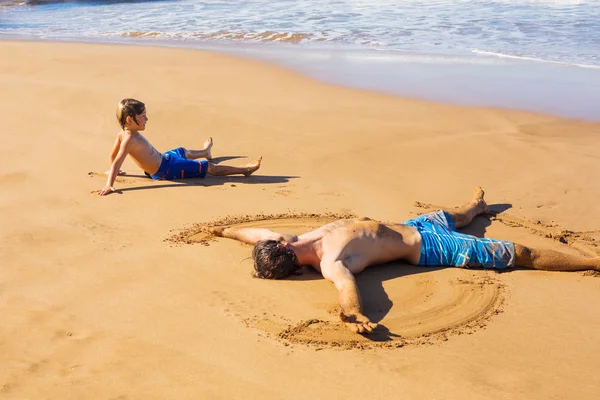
x,y
425,309
295,223
413,305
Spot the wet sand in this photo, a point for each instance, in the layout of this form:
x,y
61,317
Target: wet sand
x,y
569,91
124,297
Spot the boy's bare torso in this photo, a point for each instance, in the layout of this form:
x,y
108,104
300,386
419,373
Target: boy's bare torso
x,y
360,243
142,152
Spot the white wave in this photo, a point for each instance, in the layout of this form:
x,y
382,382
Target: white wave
x,y
547,29
525,58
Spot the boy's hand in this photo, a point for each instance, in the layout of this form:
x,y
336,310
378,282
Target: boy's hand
x,y
107,190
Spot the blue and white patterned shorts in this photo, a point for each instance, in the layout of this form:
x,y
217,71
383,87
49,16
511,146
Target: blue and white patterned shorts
x,y
443,245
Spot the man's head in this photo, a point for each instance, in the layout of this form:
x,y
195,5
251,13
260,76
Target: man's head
x,y
131,114
274,260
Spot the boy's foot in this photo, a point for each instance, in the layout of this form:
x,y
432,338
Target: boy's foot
x,y
251,167
208,144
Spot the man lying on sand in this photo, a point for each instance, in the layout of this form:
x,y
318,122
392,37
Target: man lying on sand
x,y
346,247
178,163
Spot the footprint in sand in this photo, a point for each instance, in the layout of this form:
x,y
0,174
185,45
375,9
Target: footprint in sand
x,y
332,194
284,190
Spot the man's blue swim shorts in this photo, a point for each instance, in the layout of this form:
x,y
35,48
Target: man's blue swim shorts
x,y
174,165
443,245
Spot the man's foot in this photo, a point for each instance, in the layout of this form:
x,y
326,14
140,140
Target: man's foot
x,y
251,167
208,144
479,202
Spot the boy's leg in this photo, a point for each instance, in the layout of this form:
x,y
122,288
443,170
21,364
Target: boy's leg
x,y
551,260
463,216
221,170
204,153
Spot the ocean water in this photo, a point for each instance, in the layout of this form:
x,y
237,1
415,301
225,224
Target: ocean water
x,y
491,53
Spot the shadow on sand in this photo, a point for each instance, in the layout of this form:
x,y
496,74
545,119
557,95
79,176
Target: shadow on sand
x,y
479,225
210,181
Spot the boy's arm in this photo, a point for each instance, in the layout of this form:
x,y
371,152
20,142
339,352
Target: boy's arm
x,y
114,152
348,296
115,149
250,235
115,166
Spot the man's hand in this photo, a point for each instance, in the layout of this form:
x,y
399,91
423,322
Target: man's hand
x,y
107,190
217,230
358,323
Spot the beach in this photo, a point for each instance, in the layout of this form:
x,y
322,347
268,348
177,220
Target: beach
x,y
122,297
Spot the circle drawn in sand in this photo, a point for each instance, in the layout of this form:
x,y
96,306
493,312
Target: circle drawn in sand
x,y
419,305
427,308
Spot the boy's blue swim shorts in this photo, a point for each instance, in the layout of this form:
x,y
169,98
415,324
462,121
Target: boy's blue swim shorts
x,y
174,165
443,245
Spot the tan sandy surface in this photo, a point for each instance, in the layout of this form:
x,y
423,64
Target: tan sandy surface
x,y
123,297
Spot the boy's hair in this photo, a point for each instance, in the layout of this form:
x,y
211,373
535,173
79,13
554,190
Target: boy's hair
x,y
129,108
273,260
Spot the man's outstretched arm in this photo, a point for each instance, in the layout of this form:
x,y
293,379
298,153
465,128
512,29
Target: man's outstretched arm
x,y
250,235
348,296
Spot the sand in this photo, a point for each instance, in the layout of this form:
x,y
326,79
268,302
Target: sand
x,y
125,297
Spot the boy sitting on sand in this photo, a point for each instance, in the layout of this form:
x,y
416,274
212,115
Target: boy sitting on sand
x,y
178,163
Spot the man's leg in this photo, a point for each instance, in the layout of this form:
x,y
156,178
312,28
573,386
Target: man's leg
x,y
221,170
204,153
551,260
463,216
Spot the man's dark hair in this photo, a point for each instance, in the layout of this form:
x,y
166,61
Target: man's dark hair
x,y
273,260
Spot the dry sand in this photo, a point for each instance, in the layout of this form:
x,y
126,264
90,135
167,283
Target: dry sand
x,y
124,297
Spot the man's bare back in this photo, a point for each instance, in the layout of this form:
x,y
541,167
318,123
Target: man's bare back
x,y
360,243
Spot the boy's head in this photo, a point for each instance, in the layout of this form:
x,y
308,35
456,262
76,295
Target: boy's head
x,y
274,260
128,113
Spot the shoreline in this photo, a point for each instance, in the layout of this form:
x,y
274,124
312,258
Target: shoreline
x,y
546,88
